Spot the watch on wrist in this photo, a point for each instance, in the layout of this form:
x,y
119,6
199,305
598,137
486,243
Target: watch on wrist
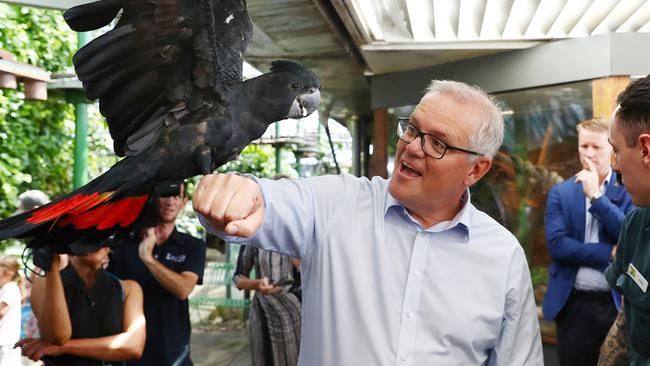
x,y
595,197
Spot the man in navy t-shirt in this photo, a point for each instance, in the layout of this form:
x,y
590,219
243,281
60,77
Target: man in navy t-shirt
x,y
167,264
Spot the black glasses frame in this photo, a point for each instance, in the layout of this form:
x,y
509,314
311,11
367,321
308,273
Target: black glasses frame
x,y
421,135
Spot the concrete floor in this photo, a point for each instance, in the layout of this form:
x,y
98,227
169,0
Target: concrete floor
x,y
222,346
229,348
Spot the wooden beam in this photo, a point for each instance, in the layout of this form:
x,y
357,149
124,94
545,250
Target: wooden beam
x,y
24,71
345,14
34,78
379,158
329,11
69,82
604,92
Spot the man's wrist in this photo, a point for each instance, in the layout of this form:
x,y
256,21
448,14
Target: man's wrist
x,y
595,196
148,260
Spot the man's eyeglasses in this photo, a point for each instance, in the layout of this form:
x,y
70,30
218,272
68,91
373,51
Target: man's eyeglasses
x,y
431,145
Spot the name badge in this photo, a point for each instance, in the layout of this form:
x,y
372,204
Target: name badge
x,y
178,258
637,277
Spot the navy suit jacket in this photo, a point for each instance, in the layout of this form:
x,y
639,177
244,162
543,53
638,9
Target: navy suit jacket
x,y
565,234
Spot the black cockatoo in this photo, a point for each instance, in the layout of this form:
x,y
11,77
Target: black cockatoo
x,y
169,82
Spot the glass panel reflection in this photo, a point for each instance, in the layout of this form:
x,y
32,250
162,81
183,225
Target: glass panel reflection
x,y
540,149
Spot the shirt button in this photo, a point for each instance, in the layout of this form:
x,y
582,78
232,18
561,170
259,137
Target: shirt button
x,y
403,356
417,272
410,314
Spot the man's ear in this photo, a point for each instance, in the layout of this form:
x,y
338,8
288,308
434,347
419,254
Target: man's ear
x,y
479,168
644,143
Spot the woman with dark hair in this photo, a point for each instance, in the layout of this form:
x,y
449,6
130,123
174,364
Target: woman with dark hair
x,y
86,316
275,313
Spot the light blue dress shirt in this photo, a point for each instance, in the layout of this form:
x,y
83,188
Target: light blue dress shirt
x,y
589,279
378,289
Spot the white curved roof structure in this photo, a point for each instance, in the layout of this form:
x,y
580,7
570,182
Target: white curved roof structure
x,y
449,30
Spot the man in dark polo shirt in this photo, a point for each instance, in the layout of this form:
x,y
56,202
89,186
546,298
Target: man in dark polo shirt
x,y
630,270
167,264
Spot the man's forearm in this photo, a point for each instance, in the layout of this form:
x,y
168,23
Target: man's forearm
x,y
178,284
568,251
615,349
50,308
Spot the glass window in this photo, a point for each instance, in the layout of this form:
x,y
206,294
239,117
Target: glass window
x,y
540,149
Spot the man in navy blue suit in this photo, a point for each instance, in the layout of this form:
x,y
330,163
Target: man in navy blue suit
x,y
584,215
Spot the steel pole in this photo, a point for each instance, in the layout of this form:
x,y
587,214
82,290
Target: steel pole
x,y
80,177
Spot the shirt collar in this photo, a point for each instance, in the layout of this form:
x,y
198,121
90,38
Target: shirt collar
x,y
459,225
174,235
607,178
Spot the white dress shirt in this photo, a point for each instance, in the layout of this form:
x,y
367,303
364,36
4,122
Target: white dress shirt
x,y
378,289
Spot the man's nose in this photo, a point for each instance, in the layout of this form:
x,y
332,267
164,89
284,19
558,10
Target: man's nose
x,y
416,146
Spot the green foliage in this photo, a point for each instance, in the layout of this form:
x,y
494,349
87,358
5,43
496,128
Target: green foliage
x,y
35,146
327,164
35,137
37,36
539,275
254,159
100,145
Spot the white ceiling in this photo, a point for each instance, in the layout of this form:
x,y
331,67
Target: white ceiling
x,y
385,36
395,35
